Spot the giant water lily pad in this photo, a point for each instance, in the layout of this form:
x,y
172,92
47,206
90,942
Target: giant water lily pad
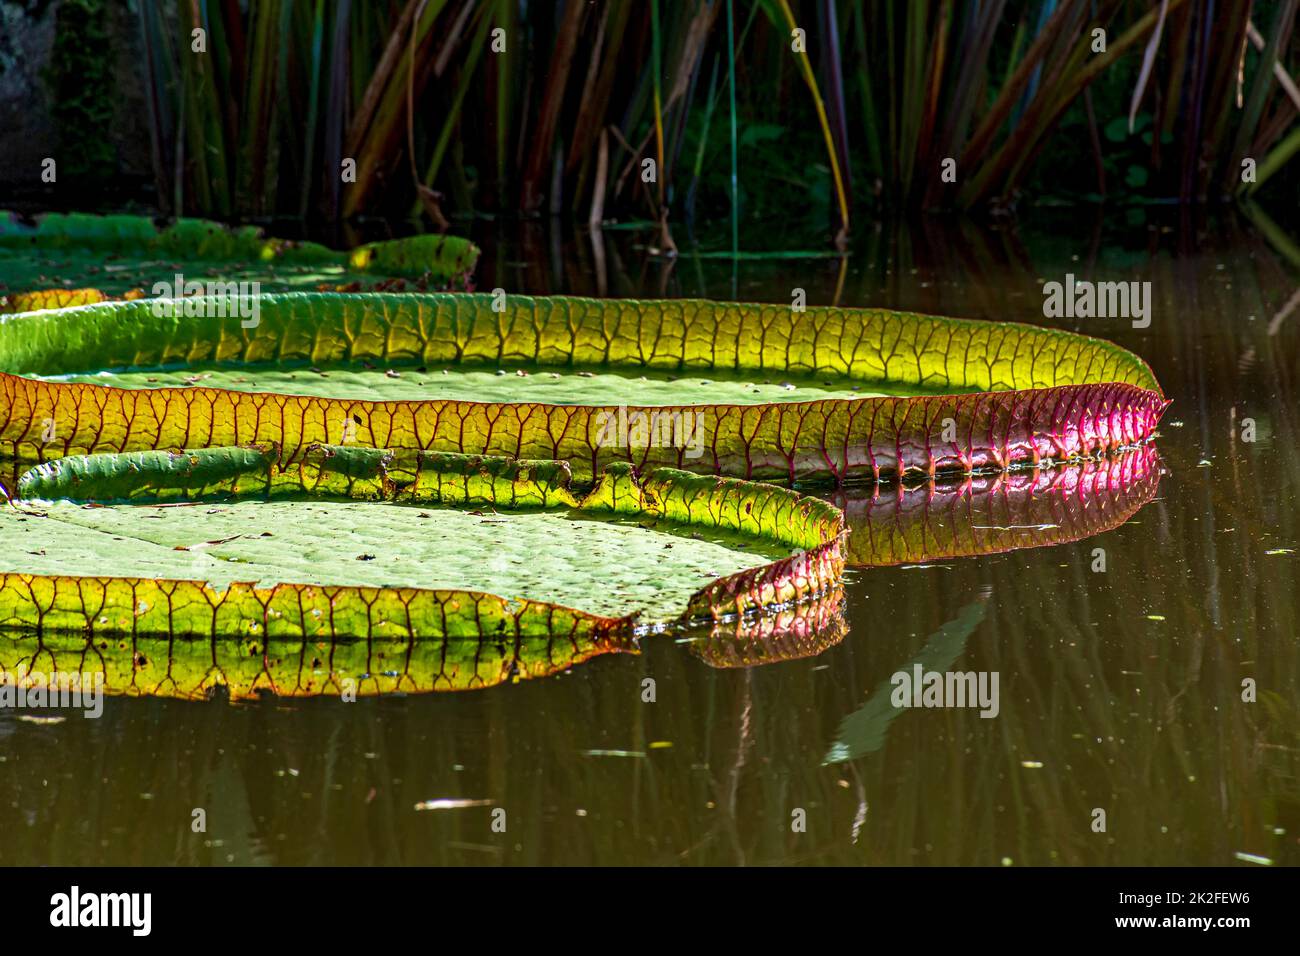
x,y
72,259
638,545
904,524
633,550
521,482
993,396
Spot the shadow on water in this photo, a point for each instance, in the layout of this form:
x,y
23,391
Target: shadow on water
x,y
1121,636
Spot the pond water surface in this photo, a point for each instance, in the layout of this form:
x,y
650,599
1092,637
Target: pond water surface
x,y
1122,648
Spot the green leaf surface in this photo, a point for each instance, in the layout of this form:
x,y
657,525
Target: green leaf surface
x,y
512,383
119,254
600,564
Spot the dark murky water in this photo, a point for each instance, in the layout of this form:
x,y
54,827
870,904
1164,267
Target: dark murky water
x,y
1120,690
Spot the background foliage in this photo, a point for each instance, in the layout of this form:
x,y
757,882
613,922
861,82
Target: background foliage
x,y
445,116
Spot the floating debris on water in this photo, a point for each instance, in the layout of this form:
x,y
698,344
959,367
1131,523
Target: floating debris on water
x,y
451,803
1252,858
613,753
